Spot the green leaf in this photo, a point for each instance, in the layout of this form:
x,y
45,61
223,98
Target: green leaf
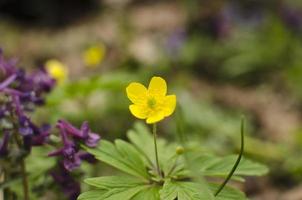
x,y
120,187
228,193
142,139
114,187
123,193
122,156
92,195
183,191
109,182
149,193
215,166
113,194
38,165
38,162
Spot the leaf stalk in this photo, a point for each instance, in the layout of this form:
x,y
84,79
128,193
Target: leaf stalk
x,y
237,161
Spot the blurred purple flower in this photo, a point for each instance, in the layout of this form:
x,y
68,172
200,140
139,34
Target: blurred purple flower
x,y
87,157
70,152
69,185
7,67
32,134
34,86
26,127
175,42
21,92
42,135
232,15
291,16
7,82
222,23
4,144
42,80
84,134
71,158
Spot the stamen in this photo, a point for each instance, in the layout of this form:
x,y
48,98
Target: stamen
x,y
151,102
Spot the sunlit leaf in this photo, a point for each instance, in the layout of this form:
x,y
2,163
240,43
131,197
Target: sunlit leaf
x,y
183,191
122,156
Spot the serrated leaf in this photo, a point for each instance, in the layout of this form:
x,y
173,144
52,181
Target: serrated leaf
x,y
115,187
184,191
142,139
123,193
122,156
149,193
109,182
228,193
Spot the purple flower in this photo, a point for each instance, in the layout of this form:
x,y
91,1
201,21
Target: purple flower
x,y
175,42
4,144
21,92
41,137
34,86
291,16
69,185
87,157
70,153
7,82
42,81
84,134
71,158
26,127
32,134
222,24
7,67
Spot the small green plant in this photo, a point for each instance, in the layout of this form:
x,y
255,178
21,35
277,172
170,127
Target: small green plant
x,y
160,170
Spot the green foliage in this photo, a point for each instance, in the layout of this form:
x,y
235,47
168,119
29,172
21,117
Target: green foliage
x,y
217,138
38,166
122,156
184,191
120,187
136,160
228,193
216,166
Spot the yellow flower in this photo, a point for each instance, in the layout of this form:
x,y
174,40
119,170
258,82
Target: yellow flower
x,y
57,70
151,104
94,55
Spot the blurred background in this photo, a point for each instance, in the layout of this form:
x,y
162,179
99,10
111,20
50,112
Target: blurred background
x,y
221,58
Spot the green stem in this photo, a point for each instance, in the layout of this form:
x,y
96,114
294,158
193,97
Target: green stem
x,y
155,148
23,169
24,180
237,161
2,179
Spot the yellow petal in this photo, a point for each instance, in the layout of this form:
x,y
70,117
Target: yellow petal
x,y
157,86
139,111
56,70
94,55
155,117
137,93
169,105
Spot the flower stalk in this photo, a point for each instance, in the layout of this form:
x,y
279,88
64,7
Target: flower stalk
x,y
2,178
155,150
23,169
24,180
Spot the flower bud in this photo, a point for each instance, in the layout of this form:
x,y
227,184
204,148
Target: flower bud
x,y
179,150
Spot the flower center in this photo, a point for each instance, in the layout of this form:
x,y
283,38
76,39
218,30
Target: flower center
x,y
151,102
